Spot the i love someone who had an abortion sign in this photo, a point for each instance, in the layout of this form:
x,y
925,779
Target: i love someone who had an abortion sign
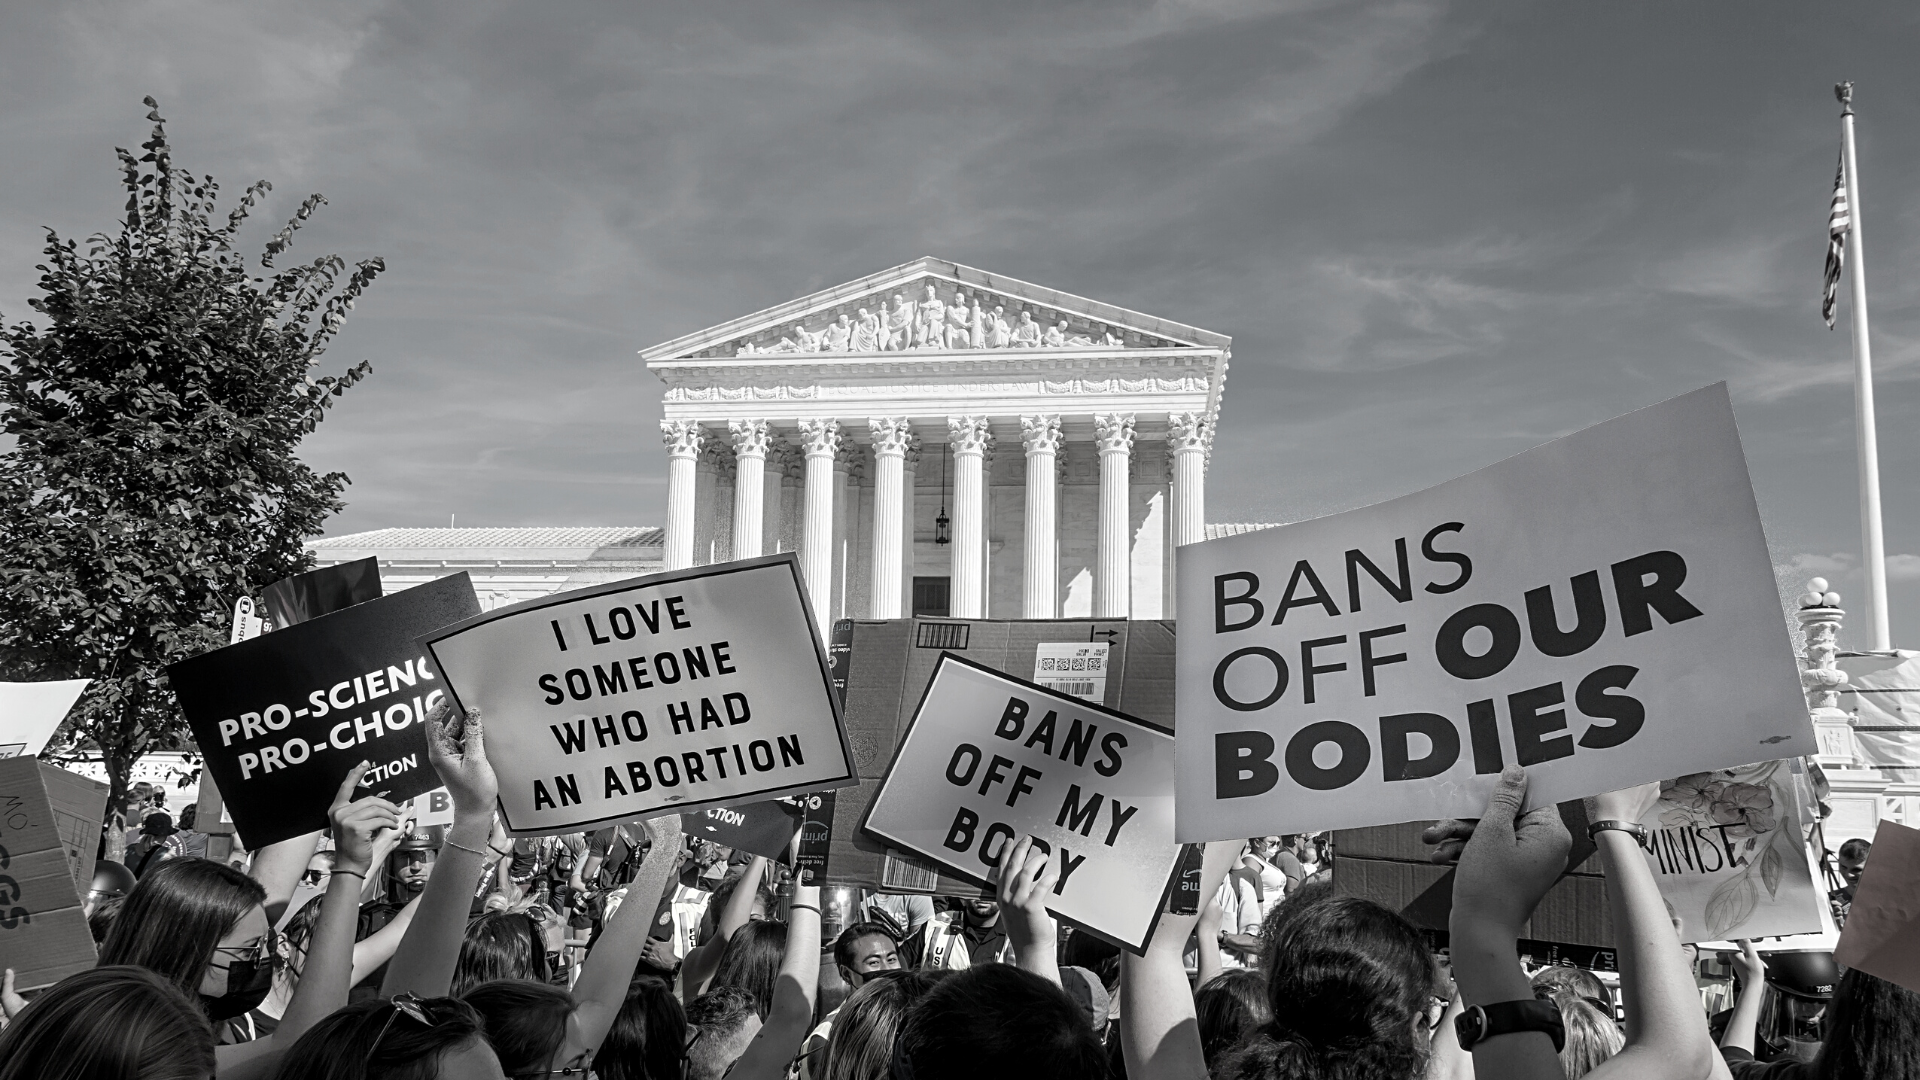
x,y
1600,609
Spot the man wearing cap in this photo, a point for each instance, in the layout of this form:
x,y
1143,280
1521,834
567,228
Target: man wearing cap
x,y
156,844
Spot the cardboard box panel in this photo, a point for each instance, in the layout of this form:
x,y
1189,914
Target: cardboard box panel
x,y
49,829
886,665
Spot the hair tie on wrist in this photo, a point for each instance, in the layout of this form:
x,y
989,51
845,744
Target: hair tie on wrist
x,y
350,873
462,847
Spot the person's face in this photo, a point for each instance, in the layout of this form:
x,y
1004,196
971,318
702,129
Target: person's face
x,y
247,940
1309,852
475,1058
413,868
983,911
319,870
871,954
1851,868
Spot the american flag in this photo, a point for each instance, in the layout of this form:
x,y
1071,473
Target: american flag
x,y
1839,221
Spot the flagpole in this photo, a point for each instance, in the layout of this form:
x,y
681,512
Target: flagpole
x,y
1867,440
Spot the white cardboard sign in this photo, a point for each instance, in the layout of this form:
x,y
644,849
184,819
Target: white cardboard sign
x,y
988,758
655,695
1600,609
30,712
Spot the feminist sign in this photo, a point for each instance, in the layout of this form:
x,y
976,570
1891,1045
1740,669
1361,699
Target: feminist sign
x,y
1600,609
656,695
988,759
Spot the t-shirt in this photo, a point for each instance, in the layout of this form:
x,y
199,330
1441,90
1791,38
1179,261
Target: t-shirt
x,y
618,851
1290,870
1743,1067
984,943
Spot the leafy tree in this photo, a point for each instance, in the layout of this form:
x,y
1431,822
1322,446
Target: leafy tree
x,y
153,479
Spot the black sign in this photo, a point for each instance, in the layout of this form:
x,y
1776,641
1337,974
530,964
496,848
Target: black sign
x,y
294,600
761,828
283,717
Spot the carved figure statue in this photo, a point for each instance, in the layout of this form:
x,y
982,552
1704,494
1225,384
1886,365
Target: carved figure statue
x,y
899,327
977,324
1001,335
1027,334
866,332
1108,337
803,340
838,334
959,322
929,330
1056,336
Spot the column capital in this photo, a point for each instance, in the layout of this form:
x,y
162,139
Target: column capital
x,y
891,435
1188,431
750,437
1113,432
1041,434
849,459
820,438
718,456
968,434
684,438
912,453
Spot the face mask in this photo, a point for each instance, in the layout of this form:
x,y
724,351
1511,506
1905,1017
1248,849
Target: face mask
x,y
248,982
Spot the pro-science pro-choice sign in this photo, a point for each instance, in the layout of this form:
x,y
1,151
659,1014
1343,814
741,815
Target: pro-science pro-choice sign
x,y
1600,609
655,695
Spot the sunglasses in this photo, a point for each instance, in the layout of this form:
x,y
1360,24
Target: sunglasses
x,y
314,877
264,949
404,1004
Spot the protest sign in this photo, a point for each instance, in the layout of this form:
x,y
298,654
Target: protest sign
x,y
662,694
1726,850
1600,609
988,758
49,828
31,711
294,600
433,808
281,718
762,828
1882,935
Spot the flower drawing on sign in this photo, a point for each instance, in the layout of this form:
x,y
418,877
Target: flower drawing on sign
x,y
1726,829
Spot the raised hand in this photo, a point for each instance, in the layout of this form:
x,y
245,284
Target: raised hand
x,y
10,1001
1752,969
457,748
1510,859
1025,881
358,827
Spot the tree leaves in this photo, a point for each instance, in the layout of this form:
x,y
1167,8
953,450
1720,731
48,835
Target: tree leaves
x,y
154,476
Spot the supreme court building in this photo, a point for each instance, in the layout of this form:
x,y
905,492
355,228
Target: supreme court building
x,y
938,440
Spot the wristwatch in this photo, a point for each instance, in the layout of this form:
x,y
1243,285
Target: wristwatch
x,y
1633,829
1479,1022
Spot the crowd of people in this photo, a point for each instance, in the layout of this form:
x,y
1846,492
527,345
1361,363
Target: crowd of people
x,y
383,951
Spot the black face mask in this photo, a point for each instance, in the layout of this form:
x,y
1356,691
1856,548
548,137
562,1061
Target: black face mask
x,y
248,983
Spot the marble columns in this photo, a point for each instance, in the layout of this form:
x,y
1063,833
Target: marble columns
x,y
749,485
820,440
1187,447
968,436
1113,576
684,439
1038,588
890,438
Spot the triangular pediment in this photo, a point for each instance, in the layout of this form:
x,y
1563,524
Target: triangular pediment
x,y
966,310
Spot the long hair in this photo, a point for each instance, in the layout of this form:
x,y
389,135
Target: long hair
x,y
526,1022
171,921
648,1039
1345,979
373,1040
997,1020
111,1023
1230,1008
1592,1036
500,945
752,961
1873,1031
861,1046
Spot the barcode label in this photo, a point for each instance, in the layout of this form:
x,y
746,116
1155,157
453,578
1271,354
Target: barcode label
x,y
1077,689
906,872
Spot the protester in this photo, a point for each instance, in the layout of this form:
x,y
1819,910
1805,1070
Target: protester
x,y
1230,1008
724,1021
648,1039
864,950
205,927
501,945
1001,1021
738,902
111,1023
192,842
1852,862
155,845
786,1022
861,1047
406,1038
752,961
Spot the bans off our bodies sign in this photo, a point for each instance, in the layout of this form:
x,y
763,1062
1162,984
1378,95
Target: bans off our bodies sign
x,y
989,758
661,694
1600,609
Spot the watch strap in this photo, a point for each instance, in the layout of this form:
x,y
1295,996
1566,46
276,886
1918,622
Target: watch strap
x,y
1631,828
1481,1022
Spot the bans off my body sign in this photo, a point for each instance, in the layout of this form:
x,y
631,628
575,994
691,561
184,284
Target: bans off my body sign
x,y
1600,609
655,695
988,758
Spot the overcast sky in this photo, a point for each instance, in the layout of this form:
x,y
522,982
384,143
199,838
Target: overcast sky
x,y
1437,234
